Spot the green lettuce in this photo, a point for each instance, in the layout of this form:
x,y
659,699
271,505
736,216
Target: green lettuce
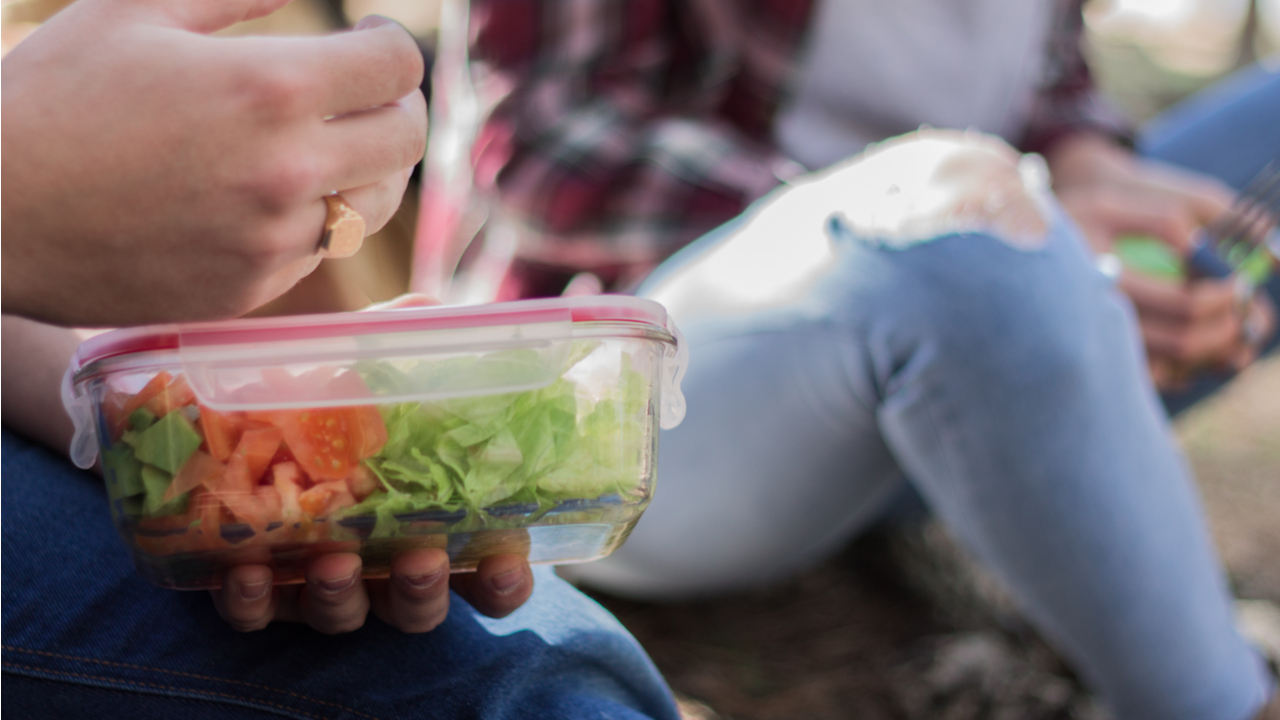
x,y
539,446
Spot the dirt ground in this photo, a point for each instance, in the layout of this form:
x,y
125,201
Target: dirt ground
x,y
902,626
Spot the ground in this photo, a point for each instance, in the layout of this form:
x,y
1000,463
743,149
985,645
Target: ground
x,y
901,626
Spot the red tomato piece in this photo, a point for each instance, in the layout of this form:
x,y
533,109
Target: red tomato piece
x,y
259,446
255,509
318,440
154,387
207,508
270,502
325,499
367,431
176,395
201,469
288,483
221,432
361,481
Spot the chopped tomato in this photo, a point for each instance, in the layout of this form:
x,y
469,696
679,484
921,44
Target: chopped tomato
x,y
259,446
318,439
367,431
283,455
288,483
201,469
325,499
252,507
361,481
207,508
246,466
221,432
270,503
154,387
176,394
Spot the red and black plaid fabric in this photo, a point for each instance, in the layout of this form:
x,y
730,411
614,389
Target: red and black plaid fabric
x,y
632,127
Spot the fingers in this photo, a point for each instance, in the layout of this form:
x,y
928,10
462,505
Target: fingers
x,y
206,16
375,64
500,585
367,146
1205,196
416,597
1107,214
1190,325
334,600
376,203
1200,301
246,600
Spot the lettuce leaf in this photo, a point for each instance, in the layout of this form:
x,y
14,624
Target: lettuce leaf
x,y
539,446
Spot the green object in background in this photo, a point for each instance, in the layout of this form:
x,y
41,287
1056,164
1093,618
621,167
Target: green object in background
x,y
1255,266
1150,256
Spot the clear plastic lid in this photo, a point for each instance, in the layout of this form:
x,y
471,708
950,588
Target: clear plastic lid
x,y
526,343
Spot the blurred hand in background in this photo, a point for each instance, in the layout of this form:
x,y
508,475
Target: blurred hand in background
x,y
1111,193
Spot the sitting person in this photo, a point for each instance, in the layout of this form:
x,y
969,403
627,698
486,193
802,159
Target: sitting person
x,y
172,200
927,317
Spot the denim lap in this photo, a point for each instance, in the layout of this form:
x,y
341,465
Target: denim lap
x,y
75,613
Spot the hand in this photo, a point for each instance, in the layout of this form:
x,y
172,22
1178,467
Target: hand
x,y
334,599
1196,325
1110,192
156,173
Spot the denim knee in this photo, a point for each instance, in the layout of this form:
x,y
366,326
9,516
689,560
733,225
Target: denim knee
x,y
1023,317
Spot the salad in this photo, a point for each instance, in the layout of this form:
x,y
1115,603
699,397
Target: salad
x,y
187,478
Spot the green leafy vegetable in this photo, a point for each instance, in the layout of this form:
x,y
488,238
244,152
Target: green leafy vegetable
x,y
141,419
156,481
124,470
538,446
168,443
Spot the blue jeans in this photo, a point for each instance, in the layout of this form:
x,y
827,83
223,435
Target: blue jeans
x,y
830,372
85,637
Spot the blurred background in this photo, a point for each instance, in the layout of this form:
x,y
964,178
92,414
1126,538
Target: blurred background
x,y
902,625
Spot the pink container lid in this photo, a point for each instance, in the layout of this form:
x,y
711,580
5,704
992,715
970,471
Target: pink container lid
x,y
249,331
212,353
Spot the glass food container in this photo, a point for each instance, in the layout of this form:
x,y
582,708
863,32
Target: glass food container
x,y
526,427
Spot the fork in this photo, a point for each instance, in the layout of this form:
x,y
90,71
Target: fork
x,y
1244,241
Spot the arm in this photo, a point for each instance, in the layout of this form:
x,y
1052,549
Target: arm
x,y
32,380
610,133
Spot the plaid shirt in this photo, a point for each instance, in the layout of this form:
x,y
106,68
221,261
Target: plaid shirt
x,y
632,128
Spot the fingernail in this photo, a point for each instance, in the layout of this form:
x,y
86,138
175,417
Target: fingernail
x,y
337,586
253,591
419,582
507,581
372,21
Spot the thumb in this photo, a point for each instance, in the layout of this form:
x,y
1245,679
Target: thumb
x,y
207,16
